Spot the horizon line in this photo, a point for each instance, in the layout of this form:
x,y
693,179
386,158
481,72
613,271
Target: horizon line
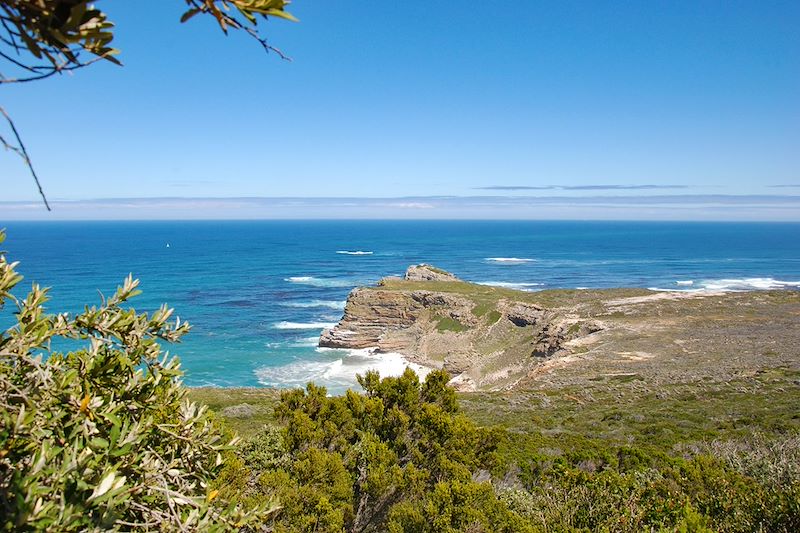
x,y
675,207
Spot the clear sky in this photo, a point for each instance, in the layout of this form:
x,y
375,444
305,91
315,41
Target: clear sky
x,y
386,99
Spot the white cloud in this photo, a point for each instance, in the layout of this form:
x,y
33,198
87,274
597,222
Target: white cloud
x,y
665,207
411,205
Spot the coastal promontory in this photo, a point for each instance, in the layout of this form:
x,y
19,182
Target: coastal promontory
x,y
496,338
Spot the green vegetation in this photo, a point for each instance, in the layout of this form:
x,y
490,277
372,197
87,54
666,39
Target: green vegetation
x,y
102,437
493,316
619,455
666,431
437,270
244,411
398,458
659,420
447,323
622,456
486,298
105,437
482,308
55,32
486,309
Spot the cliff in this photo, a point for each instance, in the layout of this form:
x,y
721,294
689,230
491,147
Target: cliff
x,y
486,337
493,338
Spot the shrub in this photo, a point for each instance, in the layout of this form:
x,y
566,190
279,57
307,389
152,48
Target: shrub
x,y
388,459
448,323
101,437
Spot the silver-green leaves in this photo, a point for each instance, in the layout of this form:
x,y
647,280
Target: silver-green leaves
x,y
102,437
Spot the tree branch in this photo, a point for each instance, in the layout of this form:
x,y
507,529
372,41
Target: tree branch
x,y
49,71
226,20
268,47
23,153
41,40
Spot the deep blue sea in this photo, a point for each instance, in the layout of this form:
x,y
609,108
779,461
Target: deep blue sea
x,y
258,293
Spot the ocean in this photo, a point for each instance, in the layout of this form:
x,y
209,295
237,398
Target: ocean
x,y
258,293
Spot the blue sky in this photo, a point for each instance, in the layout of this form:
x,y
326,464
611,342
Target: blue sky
x,y
547,101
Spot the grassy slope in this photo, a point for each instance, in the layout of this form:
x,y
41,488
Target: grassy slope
x,y
605,415
223,402
484,295
707,368
610,415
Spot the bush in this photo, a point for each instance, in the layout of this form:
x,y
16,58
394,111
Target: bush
x,y
102,437
648,492
399,457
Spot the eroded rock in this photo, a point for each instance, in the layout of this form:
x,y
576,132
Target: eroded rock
x,y
484,343
425,272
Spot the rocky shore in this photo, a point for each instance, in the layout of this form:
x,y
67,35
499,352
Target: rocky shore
x,y
481,335
493,338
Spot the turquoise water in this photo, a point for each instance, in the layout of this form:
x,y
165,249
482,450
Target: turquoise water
x,y
259,292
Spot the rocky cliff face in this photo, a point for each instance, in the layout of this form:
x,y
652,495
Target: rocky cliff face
x,y
482,335
371,314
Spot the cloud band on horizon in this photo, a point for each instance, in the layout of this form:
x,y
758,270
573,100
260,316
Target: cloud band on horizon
x,y
578,187
659,207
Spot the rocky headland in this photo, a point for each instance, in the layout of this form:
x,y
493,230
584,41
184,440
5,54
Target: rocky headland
x,y
493,338
483,336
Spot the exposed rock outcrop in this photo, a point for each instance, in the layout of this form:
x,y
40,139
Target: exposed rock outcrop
x,y
369,315
478,333
522,314
425,272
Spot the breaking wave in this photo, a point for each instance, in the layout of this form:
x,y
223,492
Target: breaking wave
x,y
303,325
747,284
509,260
511,285
355,252
732,285
320,282
336,369
306,342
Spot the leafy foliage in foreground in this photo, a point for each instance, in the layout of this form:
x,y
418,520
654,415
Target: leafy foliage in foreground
x,y
102,437
56,32
399,458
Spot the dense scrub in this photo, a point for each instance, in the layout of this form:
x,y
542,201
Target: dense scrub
x,y
566,467
635,492
399,457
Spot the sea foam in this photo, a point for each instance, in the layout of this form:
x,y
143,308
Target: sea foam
x,y
731,285
303,325
320,282
520,286
306,342
747,284
336,369
355,252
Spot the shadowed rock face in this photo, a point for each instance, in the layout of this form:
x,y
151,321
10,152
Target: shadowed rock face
x,y
369,315
437,320
522,314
